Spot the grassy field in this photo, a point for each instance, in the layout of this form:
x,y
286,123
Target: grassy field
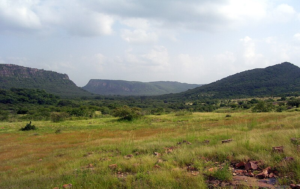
x,y
83,152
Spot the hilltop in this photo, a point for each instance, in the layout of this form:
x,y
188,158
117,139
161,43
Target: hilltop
x,y
273,80
14,76
135,88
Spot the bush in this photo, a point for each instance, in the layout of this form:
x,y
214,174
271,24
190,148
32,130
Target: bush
x,y
3,115
58,116
28,127
262,106
127,113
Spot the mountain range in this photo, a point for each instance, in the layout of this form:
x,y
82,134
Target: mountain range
x,y
135,88
14,76
270,81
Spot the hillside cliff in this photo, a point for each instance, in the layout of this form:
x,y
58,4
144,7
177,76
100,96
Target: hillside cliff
x,y
14,76
120,87
271,81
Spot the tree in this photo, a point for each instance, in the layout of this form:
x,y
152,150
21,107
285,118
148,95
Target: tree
x,y
127,113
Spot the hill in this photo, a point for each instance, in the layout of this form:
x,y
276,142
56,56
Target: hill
x,y
14,76
274,80
128,88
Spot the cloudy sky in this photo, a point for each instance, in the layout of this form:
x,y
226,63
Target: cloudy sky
x,y
192,41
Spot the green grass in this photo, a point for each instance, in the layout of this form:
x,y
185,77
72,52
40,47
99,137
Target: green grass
x,y
45,159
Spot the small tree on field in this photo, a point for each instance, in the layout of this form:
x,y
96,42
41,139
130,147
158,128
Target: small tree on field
x,y
127,113
28,127
58,116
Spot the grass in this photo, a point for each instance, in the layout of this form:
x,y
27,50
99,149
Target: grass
x,y
45,158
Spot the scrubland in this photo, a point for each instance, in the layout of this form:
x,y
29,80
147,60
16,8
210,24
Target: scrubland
x,y
156,151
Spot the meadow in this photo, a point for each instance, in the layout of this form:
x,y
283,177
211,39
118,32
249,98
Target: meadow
x,y
156,151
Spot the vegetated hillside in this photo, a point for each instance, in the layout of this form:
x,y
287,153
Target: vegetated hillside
x,y
274,80
14,76
120,87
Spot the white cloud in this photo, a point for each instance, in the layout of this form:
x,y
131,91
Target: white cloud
x,y
297,36
18,14
139,36
283,13
42,16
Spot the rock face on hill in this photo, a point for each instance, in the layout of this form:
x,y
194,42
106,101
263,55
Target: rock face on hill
x,y
271,81
14,76
120,87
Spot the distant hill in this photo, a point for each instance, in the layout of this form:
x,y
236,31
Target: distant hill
x,y
120,87
274,80
14,76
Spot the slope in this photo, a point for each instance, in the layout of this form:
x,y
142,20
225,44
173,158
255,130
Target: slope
x,y
121,87
14,76
273,80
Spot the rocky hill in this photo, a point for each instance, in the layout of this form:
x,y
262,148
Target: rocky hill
x,y
271,81
120,87
14,76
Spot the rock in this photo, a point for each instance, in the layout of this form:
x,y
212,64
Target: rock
x,y
195,173
90,166
295,186
113,166
67,186
251,165
278,149
190,168
128,156
157,154
288,159
240,165
264,173
226,141
213,169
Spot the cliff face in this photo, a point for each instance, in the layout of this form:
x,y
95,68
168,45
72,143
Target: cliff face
x,y
121,87
23,77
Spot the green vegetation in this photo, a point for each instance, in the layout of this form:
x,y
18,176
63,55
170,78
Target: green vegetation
x,y
271,81
28,127
112,154
126,113
13,76
135,88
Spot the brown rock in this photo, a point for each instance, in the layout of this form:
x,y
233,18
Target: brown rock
x,y
264,173
190,168
295,186
128,156
251,165
157,154
277,149
226,141
67,186
240,165
113,166
195,173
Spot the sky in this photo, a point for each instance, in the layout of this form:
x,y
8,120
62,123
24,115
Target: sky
x,y
190,41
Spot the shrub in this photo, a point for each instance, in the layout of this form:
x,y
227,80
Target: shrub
x,y
127,113
262,106
58,116
223,174
183,113
28,127
3,115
